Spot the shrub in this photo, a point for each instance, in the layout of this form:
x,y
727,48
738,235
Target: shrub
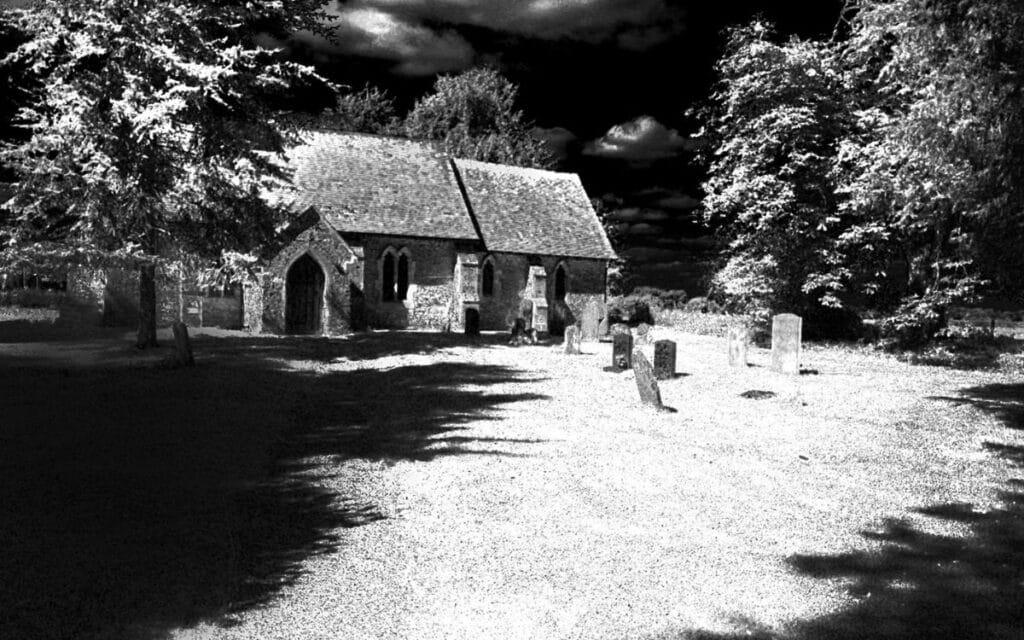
x,y
661,298
913,324
32,298
630,310
697,322
702,305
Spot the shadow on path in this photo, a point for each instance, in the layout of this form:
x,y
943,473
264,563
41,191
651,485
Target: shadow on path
x,y
922,585
357,346
138,500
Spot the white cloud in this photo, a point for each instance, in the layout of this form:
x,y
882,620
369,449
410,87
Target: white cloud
x,y
377,33
642,139
590,20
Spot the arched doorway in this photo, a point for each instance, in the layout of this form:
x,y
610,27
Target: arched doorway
x,y
305,293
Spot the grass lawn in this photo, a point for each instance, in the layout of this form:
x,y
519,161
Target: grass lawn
x,y
411,485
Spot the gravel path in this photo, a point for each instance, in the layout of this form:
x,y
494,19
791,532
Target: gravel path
x,y
582,514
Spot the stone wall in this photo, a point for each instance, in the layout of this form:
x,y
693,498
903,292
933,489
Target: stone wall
x,y
585,280
431,299
499,310
223,312
118,289
83,304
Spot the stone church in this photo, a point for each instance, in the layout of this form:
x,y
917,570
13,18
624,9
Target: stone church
x,y
393,233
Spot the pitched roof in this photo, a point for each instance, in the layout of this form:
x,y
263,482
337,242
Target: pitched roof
x,y
372,184
533,211
391,186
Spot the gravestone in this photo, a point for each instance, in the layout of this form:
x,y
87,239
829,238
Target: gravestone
x,y
644,334
572,340
786,334
603,333
664,359
182,345
646,383
622,351
591,322
518,332
738,339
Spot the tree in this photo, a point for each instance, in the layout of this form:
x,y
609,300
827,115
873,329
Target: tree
x,y
773,123
938,158
473,114
882,168
151,131
369,110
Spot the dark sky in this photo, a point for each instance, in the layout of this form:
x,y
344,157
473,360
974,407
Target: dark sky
x,y
607,81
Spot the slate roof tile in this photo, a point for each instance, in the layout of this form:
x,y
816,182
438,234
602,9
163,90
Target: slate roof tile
x,y
533,211
372,184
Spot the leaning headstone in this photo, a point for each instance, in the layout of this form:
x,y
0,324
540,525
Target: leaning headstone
x,y
622,351
603,331
664,359
591,322
786,335
646,383
572,340
182,346
738,339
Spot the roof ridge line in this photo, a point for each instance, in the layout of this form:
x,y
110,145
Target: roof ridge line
x,y
514,167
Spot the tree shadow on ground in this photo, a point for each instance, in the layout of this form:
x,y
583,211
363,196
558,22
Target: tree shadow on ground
x,y
357,346
138,500
924,585
1005,401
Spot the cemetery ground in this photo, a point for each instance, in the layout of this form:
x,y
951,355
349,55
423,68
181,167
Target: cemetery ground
x,y
402,485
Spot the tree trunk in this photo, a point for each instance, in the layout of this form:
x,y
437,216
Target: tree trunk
x,y
147,306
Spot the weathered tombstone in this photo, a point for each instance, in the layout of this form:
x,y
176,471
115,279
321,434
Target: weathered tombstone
x,y
518,332
572,340
646,383
786,335
182,346
643,333
738,339
603,332
590,324
622,351
664,359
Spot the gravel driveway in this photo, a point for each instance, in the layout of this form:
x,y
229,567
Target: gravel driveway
x,y
565,509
